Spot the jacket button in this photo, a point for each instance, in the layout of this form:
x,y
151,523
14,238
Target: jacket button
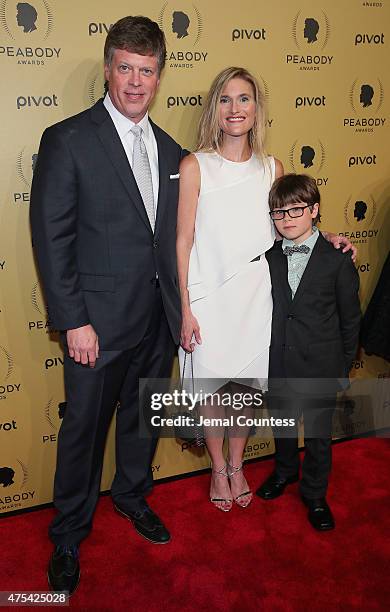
x,y
290,317
155,245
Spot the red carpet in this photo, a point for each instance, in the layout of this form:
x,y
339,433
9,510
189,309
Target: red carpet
x,y
265,558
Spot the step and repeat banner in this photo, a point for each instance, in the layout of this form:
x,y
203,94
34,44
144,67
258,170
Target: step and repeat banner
x,y
323,67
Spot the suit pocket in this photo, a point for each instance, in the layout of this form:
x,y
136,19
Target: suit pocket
x,y
93,282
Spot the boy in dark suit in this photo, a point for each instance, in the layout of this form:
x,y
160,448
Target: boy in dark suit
x,y
315,329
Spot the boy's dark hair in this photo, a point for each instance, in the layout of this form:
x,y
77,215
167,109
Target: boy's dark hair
x,y
137,35
292,189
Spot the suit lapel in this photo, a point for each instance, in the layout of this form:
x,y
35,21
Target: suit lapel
x,y
163,180
282,269
116,154
311,269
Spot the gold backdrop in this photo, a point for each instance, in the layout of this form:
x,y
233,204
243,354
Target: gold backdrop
x,y
323,69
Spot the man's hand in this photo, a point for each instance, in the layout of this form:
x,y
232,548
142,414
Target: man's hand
x,y
83,345
341,241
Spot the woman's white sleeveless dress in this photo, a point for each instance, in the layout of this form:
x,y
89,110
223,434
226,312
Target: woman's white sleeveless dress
x,y
230,295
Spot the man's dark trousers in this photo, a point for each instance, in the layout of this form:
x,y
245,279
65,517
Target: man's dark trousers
x,y
96,391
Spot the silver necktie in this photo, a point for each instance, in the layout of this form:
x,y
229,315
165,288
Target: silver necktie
x,y
142,174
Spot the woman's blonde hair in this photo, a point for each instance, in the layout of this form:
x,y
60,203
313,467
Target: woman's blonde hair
x,y
210,134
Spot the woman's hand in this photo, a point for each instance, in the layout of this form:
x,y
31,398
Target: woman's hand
x,y
341,241
189,328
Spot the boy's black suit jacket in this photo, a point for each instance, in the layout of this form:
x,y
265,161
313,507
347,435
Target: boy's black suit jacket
x,y
96,251
314,335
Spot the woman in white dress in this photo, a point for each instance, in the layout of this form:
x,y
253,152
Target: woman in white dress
x,y
223,232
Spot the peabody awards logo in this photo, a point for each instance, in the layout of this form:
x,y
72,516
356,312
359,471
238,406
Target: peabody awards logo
x,y
257,449
53,414
25,166
8,387
310,33
183,28
42,322
360,214
95,87
13,486
27,27
366,99
309,157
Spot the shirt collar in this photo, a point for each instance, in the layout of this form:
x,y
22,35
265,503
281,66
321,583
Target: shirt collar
x,y
122,123
310,242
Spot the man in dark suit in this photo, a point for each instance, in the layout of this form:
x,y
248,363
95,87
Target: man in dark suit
x,y
103,215
315,330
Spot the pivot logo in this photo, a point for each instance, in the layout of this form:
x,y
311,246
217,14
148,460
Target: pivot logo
x,y
304,155
183,30
365,160
310,33
98,28
244,34
28,25
360,214
25,165
38,303
53,362
8,426
36,101
358,364
363,267
13,482
310,101
369,39
184,101
366,98
191,445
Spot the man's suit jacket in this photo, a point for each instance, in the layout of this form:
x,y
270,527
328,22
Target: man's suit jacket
x,y
97,254
314,335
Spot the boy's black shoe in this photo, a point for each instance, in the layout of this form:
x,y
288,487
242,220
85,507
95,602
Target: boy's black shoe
x,y
319,515
274,485
64,569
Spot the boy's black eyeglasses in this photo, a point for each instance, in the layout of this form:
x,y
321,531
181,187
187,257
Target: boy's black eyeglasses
x,y
279,214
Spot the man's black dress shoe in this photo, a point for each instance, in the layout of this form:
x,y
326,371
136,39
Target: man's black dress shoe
x,y
319,515
64,569
274,485
147,524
